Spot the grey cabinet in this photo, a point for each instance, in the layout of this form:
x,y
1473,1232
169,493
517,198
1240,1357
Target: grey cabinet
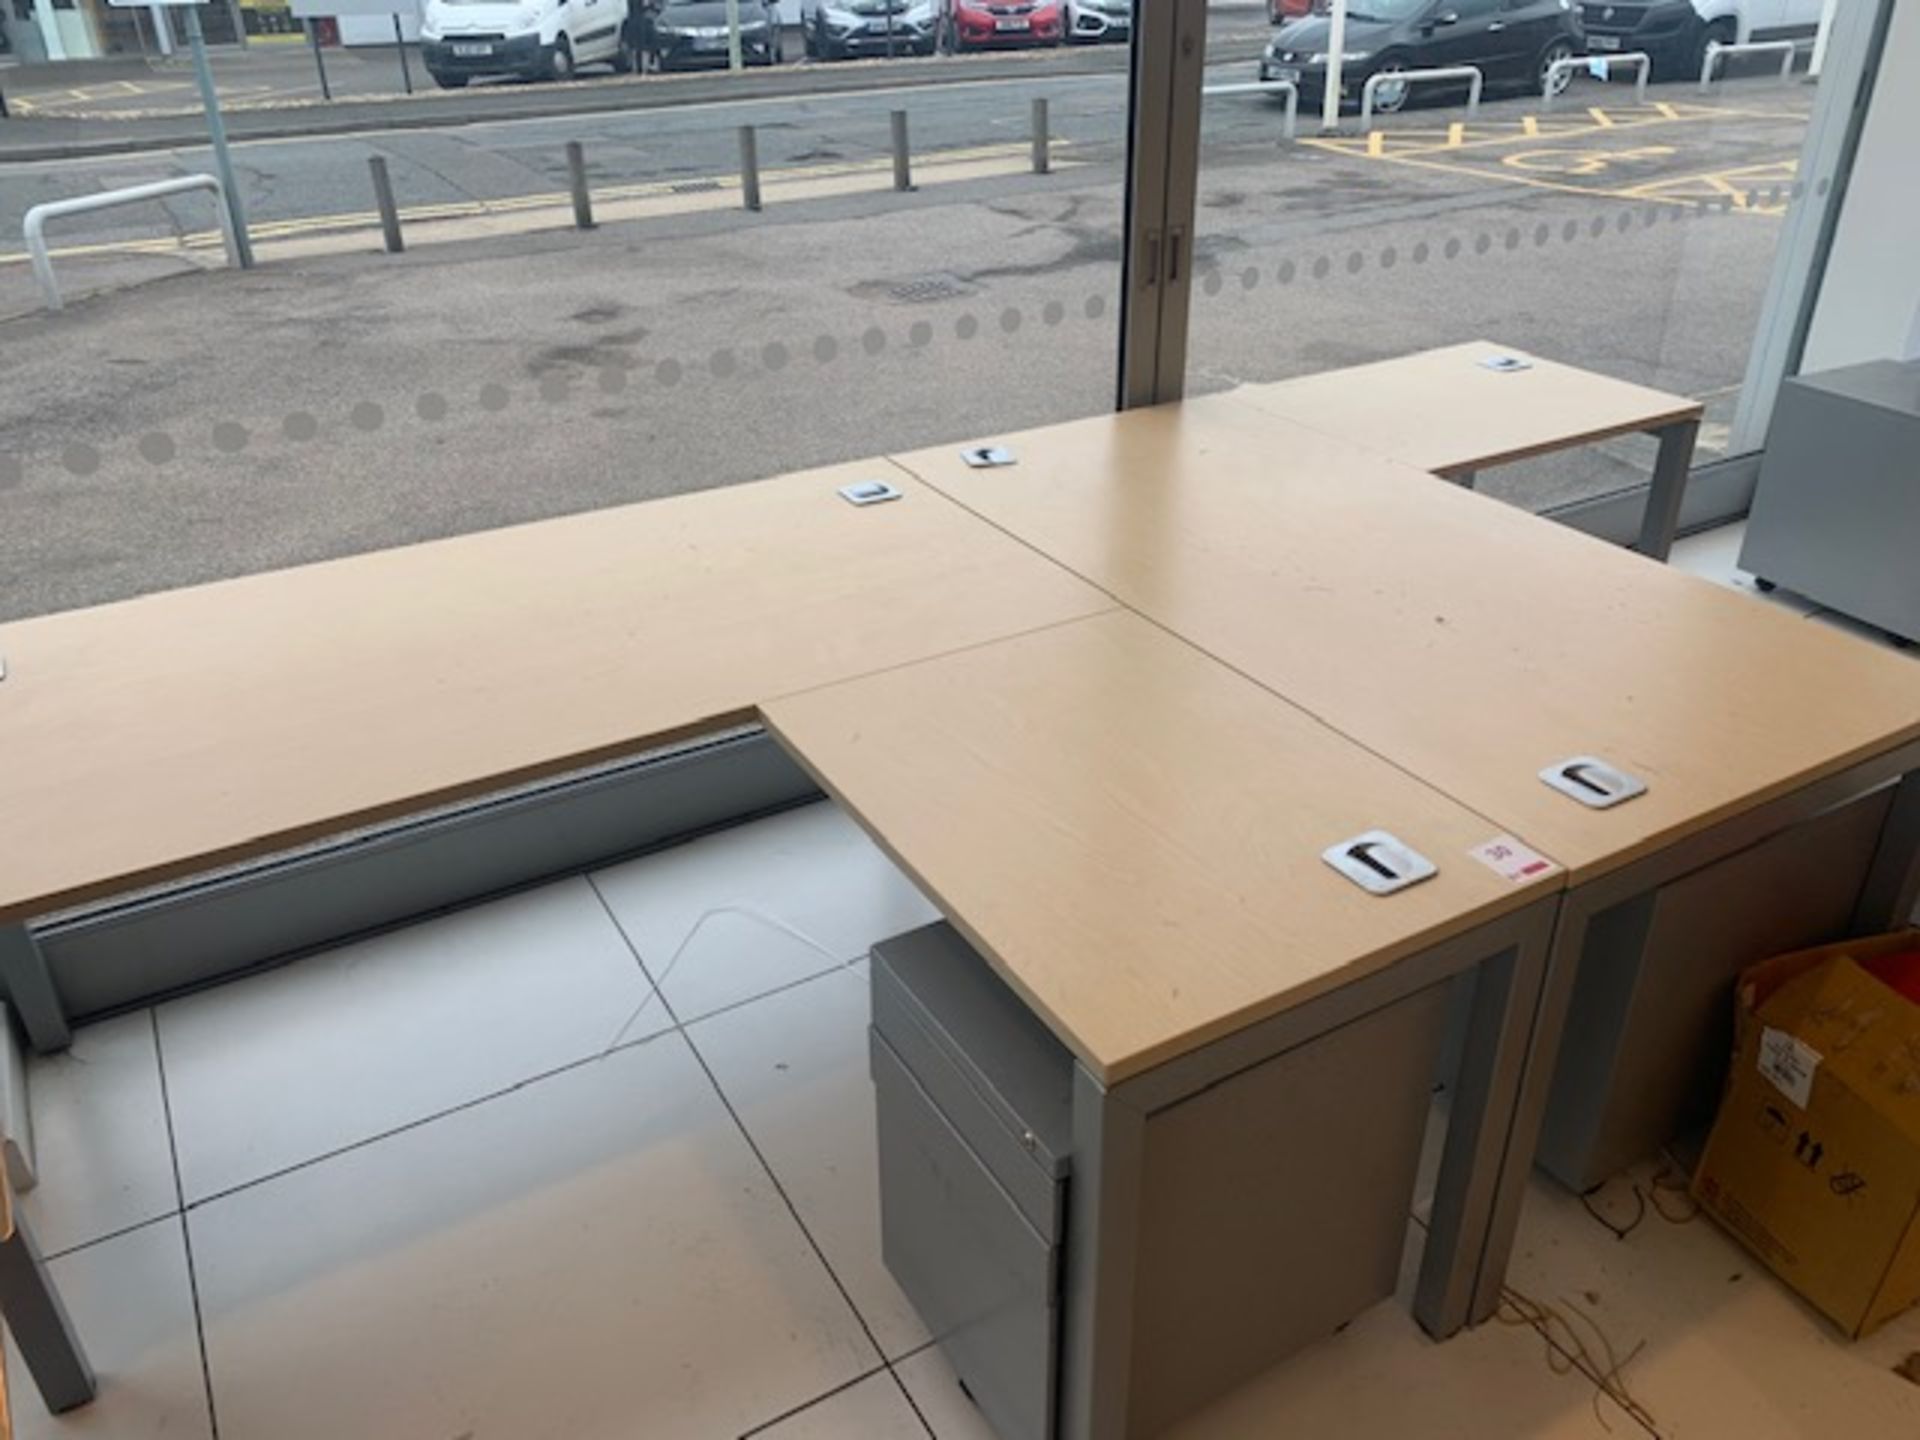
x,y
1836,515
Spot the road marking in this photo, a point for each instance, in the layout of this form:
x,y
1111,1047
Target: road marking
x,y
1712,185
1600,117
1377,144
1580,160
1456,134
1530,125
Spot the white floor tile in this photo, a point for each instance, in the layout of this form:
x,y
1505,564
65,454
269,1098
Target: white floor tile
x,y
132,1304
595,1255
1715,555
100,1136
872,1410
279,1068
810,869
794,1067
934,1388
1719,1346
1379,1379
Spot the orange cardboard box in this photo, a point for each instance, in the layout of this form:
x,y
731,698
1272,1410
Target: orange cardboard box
x,y
1814,1160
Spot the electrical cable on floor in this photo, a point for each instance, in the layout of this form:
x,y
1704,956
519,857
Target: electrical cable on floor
x,y
1568,1351
744,911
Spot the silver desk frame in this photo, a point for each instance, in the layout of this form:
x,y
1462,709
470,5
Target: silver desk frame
x,y
1506,962
1888,897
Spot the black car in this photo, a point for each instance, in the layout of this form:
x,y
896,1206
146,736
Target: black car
x,y
1511,41
692,34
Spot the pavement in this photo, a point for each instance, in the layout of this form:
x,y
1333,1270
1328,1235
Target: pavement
x,y
179,423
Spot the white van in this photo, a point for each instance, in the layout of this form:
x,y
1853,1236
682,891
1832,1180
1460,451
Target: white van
x,y
548,39
1676,32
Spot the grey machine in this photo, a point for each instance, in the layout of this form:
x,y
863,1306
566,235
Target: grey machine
x,y
1836,516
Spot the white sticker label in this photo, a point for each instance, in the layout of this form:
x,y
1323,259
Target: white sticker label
x,y
1789,1062
1510,857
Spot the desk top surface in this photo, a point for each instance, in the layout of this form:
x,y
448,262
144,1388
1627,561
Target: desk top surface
x,y
1131,833
1444,411
1463,639
193,728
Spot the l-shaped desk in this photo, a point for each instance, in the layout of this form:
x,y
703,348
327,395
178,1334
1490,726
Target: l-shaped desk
x,y
1109,704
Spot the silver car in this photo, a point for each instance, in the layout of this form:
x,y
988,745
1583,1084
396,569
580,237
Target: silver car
x,y
1092,21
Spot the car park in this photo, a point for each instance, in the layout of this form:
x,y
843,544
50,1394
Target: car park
x,y
841,29
534,39
1675,33
1092,21
1511,42
693,34
1001,24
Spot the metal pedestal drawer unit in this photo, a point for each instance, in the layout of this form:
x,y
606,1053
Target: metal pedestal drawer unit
x,y
975,1102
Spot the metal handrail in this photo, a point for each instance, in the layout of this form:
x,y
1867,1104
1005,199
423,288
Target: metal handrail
x,y
34,230
1640,59
1265,87
1446,72
1786,49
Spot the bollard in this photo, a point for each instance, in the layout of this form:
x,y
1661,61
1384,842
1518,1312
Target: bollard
x,y
1042,159
902,163
749,169
577,182
383,197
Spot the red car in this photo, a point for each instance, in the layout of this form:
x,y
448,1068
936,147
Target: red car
x,y
1280,11
980,24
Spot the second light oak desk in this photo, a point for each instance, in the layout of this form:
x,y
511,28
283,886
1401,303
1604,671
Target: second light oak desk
x,y
1473,645
1131,835
1465,408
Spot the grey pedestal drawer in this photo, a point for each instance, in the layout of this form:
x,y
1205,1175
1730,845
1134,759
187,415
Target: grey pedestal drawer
x,y
974,1100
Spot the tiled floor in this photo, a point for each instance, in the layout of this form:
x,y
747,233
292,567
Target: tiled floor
x,y
473,1179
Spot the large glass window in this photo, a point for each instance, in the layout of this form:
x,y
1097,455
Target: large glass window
x,y
1570,213
179,420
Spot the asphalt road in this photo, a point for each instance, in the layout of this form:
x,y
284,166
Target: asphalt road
x,y
206,423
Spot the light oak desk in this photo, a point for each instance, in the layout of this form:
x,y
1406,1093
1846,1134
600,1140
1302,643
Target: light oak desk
x,y
1131,835
178,732
1473,645
1446,411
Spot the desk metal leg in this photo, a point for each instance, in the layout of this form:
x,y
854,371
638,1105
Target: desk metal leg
x,y
1483,1169
23,971
1892,890
1109,1142
1670,470
33,1313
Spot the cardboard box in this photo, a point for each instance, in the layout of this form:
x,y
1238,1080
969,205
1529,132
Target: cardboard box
x,y
1814,1160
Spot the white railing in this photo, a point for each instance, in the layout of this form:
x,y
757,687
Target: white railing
x,y
34,230
1785,49
1601,68
1470,73
1266,87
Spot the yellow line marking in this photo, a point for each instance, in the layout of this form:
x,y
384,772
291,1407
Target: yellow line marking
x,y
1456,132
1377,143
1601,119
1666,109
1530,125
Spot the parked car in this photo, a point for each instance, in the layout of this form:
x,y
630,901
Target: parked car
x,y
460,39
1092,21
1281,11
984,24
1675,33
1513,42
692,34
837,29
